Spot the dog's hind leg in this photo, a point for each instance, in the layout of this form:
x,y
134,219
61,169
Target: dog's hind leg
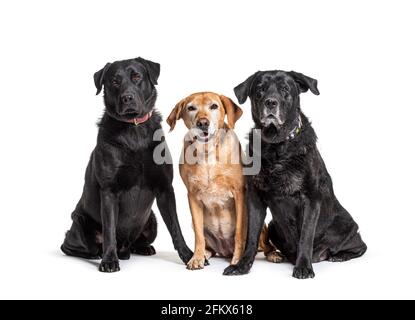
x,y
271,253
124,252
209,253
142,245
80,240
354,248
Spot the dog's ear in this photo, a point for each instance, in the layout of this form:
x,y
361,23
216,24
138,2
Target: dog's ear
x,y
242,90
305,82
233,111
153,69
99,77
176,114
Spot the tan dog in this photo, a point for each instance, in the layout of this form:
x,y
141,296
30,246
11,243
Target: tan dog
x,y
211,168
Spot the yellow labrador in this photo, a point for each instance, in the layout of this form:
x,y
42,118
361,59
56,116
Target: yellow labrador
x,y
211,168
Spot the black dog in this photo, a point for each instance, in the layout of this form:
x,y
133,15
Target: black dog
x,y
309,224
113,217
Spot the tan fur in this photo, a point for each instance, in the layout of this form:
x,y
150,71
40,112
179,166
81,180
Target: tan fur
x,y
216,189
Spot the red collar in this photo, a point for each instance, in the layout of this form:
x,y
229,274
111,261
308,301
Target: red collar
x,y
138,121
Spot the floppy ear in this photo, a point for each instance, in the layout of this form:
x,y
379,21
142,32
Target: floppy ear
x,y
153,69
176,114
305,82
233,111
99,77
243,89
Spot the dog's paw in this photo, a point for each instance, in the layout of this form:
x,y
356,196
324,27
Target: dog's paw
x,y
234,261
275,257
340,257
303,273
124,255
109,266
236,270
196,263
144,251
185,254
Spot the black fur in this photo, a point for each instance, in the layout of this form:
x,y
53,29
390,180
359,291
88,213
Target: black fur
x,y
113,217
309,224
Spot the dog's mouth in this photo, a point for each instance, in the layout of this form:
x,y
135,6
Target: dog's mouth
x,y
204,136
134,117
271,120
131,115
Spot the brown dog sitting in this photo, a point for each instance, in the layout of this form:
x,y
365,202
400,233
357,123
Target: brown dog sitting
x,y
211,168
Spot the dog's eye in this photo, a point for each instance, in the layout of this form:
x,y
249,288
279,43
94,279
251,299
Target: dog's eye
x,y
285,89
115,82
259,93
135,77
191,108
214,106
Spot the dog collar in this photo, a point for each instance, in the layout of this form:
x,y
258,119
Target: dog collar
x,y
138,121
296,131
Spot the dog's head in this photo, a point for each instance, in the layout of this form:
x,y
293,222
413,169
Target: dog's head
x,y
129,87
275,100
205,114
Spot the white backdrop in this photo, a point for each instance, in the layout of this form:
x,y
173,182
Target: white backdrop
x,y
362,53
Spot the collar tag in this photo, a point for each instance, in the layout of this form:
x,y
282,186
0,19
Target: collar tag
x,y
296,130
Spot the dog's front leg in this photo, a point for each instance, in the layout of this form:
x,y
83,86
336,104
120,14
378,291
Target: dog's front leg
x,y
257,212
199,259
240,230
166,203
109,217
303,266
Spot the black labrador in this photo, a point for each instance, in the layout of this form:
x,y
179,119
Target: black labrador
x,y
309,224
114,217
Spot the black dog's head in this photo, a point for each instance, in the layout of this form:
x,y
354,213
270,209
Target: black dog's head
x,y
129,87
275,100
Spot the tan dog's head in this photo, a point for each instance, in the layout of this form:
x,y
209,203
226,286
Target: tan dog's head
x,y
205,112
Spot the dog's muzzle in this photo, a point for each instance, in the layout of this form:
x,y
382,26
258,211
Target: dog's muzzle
x,y
272,112
272,116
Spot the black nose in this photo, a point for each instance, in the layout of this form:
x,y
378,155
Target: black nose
x,y
203,124
127,98
271,103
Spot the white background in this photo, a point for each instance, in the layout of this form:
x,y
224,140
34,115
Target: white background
x,y
362,53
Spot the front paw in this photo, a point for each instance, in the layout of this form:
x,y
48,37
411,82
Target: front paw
x,y
237,270
109,266
235,260
196,263
185,254
303,273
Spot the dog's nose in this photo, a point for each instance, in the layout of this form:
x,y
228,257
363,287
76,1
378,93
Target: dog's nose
x,y
271,103
127,98
203,124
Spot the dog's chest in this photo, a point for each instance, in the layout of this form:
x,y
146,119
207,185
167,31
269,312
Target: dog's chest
x,y
284,177
130,172
211,186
